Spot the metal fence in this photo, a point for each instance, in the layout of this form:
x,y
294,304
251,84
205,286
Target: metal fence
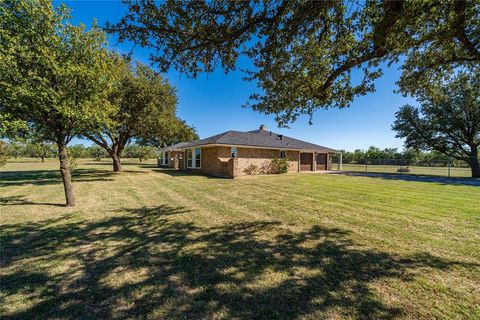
x,y
402,166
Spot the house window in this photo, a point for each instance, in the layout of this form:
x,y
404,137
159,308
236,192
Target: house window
x,y
189,158
283,154
198,158
233,151
194,158
163,157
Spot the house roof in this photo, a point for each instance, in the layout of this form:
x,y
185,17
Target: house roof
x,y
174,147
256,138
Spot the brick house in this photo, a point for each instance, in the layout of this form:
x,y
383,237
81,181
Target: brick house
x,y
234,153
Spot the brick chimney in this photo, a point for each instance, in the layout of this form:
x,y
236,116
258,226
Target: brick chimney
x,y
263,127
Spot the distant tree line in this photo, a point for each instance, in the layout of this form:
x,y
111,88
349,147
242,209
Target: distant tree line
x,y
394,156
42,151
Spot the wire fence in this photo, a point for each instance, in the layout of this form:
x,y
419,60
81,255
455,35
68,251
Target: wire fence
x,y
402,166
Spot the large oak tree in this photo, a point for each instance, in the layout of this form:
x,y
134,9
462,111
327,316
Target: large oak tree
x,y
145,108
53,75
447,119
303,52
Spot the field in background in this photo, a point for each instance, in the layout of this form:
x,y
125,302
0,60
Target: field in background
x,y
459,172
151,243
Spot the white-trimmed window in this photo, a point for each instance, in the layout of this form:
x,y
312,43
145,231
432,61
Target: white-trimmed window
x,y
233,152
283,154
194,158
164,158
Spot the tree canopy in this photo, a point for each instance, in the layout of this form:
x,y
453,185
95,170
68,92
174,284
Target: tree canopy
x,y
303,52
447,120
54,75
144,108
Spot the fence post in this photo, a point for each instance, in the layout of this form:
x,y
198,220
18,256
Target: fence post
x,y
449,168
366,170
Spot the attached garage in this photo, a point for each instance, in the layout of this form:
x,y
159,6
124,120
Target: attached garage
x,y
306,161
321,161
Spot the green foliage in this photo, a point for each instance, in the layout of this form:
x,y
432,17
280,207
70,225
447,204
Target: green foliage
x,y
140,152
145,110
252,169
97,152
79,151
420,157
276,166
447,119
72,163
175,131
17,149
41,150
3,153
53,73
303,52
11,126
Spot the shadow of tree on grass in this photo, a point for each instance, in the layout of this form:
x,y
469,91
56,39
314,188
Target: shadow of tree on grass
x,y
146,264
47,177
22,201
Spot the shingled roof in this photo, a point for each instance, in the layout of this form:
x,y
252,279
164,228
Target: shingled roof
x,y
257,138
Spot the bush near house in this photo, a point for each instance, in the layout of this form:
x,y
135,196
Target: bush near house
x,y
276,166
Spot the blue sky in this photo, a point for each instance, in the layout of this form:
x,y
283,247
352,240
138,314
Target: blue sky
x,y
212,103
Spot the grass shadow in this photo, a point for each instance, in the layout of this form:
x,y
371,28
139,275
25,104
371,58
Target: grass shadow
x,y
182,173
48,177
143,263
22,201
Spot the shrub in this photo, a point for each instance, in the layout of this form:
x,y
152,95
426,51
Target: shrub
x,y
73,163
251,169
405,169
278,166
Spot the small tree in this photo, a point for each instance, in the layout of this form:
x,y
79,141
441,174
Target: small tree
x,y
54,76
17,149
97,152
447,120
78,151
41,150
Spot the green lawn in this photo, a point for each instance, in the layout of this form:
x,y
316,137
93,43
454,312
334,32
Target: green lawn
x,y
150,243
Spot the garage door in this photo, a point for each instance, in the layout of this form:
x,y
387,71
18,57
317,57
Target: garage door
x,y
306,161
322,161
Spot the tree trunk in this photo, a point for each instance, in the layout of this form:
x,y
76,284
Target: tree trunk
x,y
66,176
474,163
117,165
43,159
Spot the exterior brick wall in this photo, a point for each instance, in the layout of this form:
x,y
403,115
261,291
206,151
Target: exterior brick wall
x,y
216,161
261,158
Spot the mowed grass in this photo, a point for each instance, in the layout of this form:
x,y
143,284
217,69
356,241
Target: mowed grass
x,y
159,244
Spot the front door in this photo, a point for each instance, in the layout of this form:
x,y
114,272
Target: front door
x,y
306,161
321,161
